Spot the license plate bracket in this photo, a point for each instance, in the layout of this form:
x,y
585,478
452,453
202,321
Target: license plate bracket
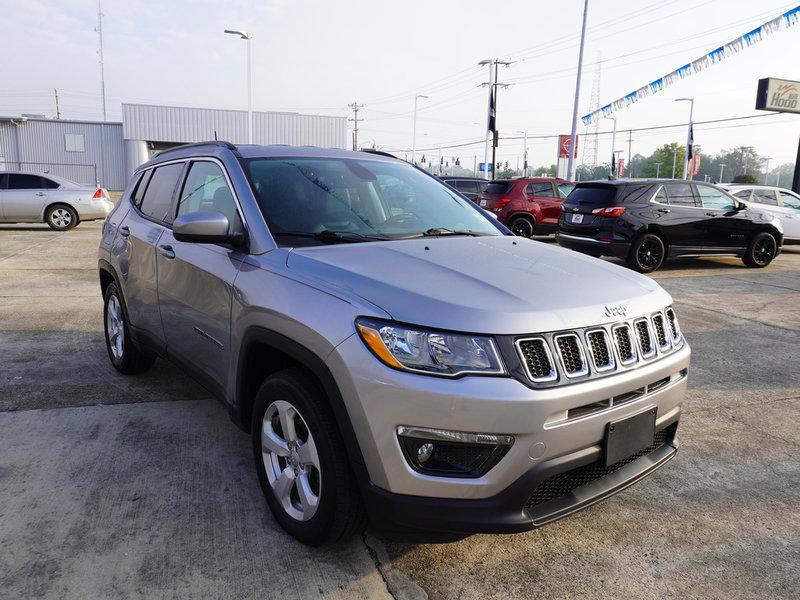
x,y
625,437
577,218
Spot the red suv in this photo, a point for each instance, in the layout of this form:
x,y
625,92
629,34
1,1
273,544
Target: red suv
x,y
527,206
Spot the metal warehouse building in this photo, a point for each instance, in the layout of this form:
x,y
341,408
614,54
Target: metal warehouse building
x,y
108,152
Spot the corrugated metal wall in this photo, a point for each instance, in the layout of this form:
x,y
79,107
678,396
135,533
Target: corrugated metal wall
x,y
39,145
179,124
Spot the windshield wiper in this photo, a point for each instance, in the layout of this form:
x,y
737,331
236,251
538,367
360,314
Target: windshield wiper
x,y
443,231
327,235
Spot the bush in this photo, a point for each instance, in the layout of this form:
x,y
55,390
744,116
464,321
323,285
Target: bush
x,y
751,179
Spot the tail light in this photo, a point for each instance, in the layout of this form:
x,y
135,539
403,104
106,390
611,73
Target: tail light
x,y
100,194
501,202
611,211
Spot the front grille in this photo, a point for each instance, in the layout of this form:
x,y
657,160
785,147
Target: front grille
x,y
562,484
661,334
602,355
645,341
673,324
571,353
537,359
625,347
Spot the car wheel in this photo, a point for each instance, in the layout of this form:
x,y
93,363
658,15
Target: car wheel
x,y
301,460
61,217
647,253
125,355
521,226
762,249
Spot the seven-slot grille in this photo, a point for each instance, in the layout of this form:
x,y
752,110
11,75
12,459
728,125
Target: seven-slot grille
x,y
572,358
537,359
607,348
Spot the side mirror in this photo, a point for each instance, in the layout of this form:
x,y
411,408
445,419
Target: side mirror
x,y
205,228
737,205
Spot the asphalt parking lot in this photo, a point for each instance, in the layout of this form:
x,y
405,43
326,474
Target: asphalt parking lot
x,y
142,487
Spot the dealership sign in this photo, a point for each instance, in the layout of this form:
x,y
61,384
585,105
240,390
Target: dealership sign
x,y
779,95
564,142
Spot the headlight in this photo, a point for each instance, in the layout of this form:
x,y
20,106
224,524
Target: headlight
x,y
427,351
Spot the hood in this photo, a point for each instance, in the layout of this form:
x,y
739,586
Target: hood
x,y
498,284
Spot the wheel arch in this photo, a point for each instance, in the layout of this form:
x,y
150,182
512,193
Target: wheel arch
x,y
264,352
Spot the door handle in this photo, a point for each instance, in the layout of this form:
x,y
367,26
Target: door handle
x,y
166,251
41,194
663,210
711,214
124,231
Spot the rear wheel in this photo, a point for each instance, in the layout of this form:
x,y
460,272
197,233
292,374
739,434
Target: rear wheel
x,y
522,226
61,217
647,253
301,460
762,249
125,355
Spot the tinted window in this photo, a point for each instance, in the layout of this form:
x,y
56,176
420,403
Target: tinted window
x,y
3,181
465,185
498,187
681,194
789,200
17,181
593,196
49,184
543,190
564,189
714,198
206,190
765,197
661,196
141,186
157,202
356,196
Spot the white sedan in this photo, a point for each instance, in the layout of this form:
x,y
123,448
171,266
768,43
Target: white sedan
x,y
45,198
779,202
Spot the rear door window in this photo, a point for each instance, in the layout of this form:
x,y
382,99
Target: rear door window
x,y
743,194
49,184
141,187
765,197
499,187
789,200
157,201
22,181
681,194
542,190
714,198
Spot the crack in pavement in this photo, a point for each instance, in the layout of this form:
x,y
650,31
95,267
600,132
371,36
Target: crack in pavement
x,y
398,585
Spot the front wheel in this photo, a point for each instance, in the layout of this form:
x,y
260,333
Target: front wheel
x,y
61,217
762,249
301,460
647,253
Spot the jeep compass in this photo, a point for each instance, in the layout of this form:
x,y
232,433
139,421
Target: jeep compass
x,y
395,354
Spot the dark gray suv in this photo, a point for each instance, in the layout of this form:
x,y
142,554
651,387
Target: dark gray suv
x,y
394,352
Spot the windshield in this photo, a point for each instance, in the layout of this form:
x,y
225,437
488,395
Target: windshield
x,y
311,200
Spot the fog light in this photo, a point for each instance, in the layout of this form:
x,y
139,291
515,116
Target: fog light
x,y
452,453
424,452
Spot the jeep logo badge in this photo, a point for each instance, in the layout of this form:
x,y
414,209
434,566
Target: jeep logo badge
x,y
618,310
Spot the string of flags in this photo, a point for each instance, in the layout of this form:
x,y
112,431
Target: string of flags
x,y
787,19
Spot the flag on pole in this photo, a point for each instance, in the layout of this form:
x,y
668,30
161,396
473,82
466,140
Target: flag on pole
x,y
690,143
492,115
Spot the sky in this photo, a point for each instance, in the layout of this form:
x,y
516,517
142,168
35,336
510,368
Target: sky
x,y
319,56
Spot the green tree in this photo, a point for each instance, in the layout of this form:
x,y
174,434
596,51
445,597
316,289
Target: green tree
x,y
666,155
745,178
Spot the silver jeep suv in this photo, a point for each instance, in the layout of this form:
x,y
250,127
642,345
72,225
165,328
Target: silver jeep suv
x,y
394,352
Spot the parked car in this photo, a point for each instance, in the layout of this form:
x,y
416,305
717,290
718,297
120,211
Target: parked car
x,y
382,349
783,204
44,198
527,206
471,187
646,221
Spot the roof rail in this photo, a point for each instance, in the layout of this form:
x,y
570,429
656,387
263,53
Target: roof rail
x,y
378,152
218,143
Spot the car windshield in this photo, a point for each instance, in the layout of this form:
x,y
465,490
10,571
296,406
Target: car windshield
x,y
327,200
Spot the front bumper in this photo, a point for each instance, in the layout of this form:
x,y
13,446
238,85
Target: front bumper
x,y
592,246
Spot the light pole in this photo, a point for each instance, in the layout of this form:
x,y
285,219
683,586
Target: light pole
x,y
248,37
766,168
721,169
571,158
689,136
524,153
414,129
489,121
613,147
674,160
658,168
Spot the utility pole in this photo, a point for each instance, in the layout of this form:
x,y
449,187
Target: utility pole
x,y
613,147
766,168
658,168
491,127
58,110
414,129
355,120
571,160
99,30
674,160
630,156
721,169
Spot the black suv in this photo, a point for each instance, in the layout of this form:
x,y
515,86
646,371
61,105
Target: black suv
x,y
471,187
645,221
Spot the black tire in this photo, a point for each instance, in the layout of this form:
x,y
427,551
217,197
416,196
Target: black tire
x,y
763,248
647,253
61,217
522,226
127,358
339,510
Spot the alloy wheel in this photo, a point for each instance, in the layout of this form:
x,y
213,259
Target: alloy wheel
x,y
764,250
649,253
115,328
522,228
291,460
61,217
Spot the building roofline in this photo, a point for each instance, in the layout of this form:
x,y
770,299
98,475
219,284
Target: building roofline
x,y
236,110
22,119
